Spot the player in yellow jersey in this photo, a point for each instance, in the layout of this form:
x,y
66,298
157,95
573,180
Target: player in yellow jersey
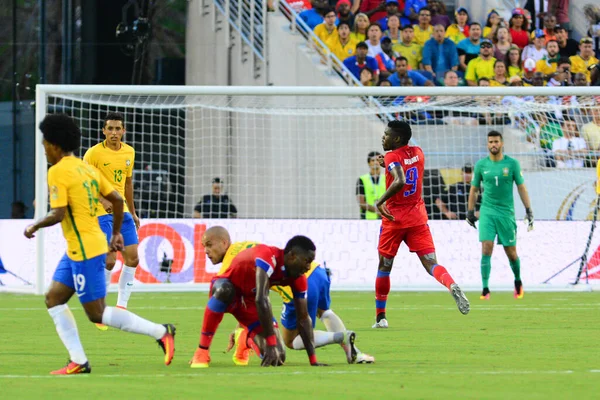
x,y
115,159
75,188
218,246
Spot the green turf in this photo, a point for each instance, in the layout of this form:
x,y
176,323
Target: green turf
x,y
541,347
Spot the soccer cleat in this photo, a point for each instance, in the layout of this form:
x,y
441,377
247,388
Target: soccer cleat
x,y
348,346
101,327
167,343
485,294
518,294
362,358
241,356
73,368
201,359
382,323
461,300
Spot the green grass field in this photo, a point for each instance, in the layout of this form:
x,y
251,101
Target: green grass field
x,y
541,347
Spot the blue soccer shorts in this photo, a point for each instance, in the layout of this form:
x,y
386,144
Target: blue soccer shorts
x,y
127,228
85,277
317,298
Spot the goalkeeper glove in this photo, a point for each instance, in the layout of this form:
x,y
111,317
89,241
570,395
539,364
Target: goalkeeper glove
x,y
471,218
529,219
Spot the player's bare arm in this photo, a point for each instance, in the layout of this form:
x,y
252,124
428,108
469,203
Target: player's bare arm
x,y
265,317
130,202
55,216
305,329
116,241
397,184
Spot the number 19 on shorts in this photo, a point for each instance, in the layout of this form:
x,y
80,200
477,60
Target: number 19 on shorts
x,y
79,282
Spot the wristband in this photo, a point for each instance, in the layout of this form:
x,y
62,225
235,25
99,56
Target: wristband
x,y
271,340
312,359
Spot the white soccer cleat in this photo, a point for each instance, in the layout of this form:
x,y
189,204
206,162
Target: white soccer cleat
x,y
381,324
348,346
362,358
461,300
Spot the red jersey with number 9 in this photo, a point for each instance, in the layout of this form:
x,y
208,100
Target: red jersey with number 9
x,y
407,206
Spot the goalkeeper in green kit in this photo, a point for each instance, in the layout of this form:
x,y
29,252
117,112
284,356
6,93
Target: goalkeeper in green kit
x,y
496,173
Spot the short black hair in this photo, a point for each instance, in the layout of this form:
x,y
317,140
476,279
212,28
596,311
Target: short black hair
x,y
362,45
114,116
377,24
344,23
495,134
402,130
300,242
424,9
407,26
474,23
371,155
563,60
401,58
328,10
568,118
62,131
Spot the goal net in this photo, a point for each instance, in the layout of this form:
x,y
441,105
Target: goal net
x,y
289,161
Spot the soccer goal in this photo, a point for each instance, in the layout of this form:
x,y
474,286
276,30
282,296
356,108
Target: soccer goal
x,y
289,159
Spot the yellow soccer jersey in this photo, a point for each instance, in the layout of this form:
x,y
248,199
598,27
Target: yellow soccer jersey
x,y
76,185
578,64
286,292
422,35
412,53
341,51
479,68
116,166
233,250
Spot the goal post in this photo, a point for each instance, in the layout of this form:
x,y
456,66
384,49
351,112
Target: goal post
x,y
289,159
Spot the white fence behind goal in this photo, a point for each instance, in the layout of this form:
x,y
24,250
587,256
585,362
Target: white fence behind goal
x,y
295,154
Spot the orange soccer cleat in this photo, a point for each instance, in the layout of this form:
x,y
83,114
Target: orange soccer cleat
x,y
201,359
242,353
519,293
485,294
73,368
167,343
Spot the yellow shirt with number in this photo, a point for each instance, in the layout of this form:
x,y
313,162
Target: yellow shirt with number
x,y
76,185
578,64
115,165
233,250
286,292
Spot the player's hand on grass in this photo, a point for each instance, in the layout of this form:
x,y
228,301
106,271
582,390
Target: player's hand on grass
x,y
107,205
383,210
529,219
471,218
116,242
271,357
136,221
30,231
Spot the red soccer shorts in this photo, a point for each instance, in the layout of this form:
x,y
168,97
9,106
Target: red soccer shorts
x,y
417,238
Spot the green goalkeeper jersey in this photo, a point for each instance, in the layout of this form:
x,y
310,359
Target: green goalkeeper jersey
x,y
497,178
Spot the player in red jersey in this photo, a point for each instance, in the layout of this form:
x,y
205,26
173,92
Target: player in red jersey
x,y
243,291
405,218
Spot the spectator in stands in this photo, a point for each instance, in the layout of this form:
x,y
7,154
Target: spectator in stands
x,y
423,30
451,78
342,45
459,30
374,9
538,79
343,12
537,50
359,61
492,23
483,82
315,15
453,202
391,8
499,78
482,66
327,29
562,76
299,5
438,13
439,54
549,131
367,78
528,72
567,46
386,60
468,48
549,28
518,27
560,8
515,81
570,150
412,9
18,210
591,131
359,30
370,187
579,79
374,35
513,62
547,65
215,205
585,58
408,48
402,73
592,14
501,43
393,30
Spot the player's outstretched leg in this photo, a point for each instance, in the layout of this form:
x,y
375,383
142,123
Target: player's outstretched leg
x,y
334,323
223,293
382,289
440,273
131,259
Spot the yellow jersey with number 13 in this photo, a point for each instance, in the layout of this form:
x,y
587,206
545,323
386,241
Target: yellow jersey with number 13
x,y
75,185
115,165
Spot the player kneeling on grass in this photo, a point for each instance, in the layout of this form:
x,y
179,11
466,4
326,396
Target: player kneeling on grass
x,y
243,291
74,191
